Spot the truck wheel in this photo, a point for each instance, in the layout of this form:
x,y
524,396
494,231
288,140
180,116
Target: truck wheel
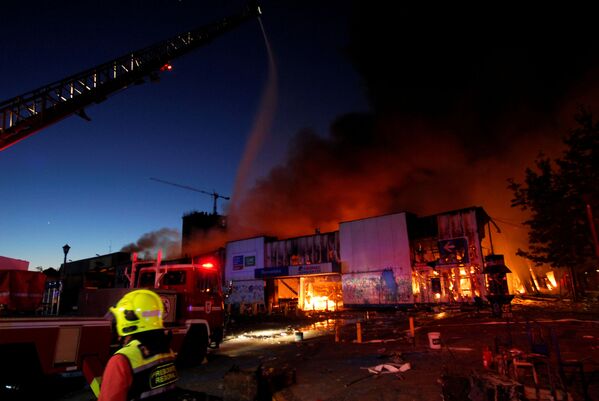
x,y
194,348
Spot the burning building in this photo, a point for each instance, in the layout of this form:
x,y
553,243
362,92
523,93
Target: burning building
x,y
306,269
447,256
301,272
402,259
388,260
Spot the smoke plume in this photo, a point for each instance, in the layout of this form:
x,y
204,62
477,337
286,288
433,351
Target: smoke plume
x,y
453,117
167,240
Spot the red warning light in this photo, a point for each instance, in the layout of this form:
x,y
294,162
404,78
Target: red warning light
x,y
208,265
166,67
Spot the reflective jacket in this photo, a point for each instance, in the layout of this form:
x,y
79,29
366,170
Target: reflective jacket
x,y
153,377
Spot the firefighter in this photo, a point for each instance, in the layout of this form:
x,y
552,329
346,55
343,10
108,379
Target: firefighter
x,y
144,368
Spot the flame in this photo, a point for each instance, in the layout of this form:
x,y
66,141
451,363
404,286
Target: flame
x,y
414,154
551,278
319,303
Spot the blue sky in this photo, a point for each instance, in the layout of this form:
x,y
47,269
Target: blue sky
x,y
87,183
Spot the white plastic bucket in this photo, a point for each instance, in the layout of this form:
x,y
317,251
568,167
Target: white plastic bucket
x,y
434,340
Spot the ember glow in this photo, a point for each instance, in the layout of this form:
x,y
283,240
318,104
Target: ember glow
x,y
319,303
320,294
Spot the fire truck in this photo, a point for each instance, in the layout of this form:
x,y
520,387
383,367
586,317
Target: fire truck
x,y
39,346
34,346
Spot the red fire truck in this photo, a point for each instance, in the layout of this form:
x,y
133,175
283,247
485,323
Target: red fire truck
x,y
198,307
35,346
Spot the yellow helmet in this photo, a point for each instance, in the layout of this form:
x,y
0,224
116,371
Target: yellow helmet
x,y
137,311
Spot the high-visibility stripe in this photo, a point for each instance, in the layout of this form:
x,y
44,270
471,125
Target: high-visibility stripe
x,y
95,385
201,308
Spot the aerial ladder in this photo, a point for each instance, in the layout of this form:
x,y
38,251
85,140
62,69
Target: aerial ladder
x,y
214,194
24,115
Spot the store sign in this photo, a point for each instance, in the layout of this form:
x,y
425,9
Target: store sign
x,y
301,270
238,262
317,268
271,272
453,251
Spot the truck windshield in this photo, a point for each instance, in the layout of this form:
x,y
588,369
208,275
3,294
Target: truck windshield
x,y
174,278
207,283
146,279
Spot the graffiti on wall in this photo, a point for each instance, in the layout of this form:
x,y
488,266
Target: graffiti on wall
x,y
372,288
247,292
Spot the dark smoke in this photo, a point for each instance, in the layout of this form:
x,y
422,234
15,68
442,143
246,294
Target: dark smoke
x,y
459,105
147,246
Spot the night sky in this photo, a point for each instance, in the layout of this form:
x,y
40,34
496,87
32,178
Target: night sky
x,y
87,183
375,110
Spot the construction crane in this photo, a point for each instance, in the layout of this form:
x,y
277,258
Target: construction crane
x,y
24,115
214,195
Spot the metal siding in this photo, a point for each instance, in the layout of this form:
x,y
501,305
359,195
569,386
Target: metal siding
x,y
248,247
377,266
312,249
346,249
259,249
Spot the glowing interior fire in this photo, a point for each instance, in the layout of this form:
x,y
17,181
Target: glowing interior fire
x,y
551,278
319,303
320,293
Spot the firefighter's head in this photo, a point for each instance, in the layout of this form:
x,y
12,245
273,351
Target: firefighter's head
x,y
138,311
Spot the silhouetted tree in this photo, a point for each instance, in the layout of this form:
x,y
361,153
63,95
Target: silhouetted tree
x,y
557,194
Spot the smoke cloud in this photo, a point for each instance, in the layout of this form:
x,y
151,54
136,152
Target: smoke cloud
x,y
458,106
167,240
453,117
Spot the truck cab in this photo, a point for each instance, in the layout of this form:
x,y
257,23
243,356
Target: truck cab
x,y
199,295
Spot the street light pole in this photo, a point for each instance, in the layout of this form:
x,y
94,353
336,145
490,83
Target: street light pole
x,y
65,249
57,294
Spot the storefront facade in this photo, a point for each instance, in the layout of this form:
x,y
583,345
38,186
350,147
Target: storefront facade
x,y
390,260
303,272
295,273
